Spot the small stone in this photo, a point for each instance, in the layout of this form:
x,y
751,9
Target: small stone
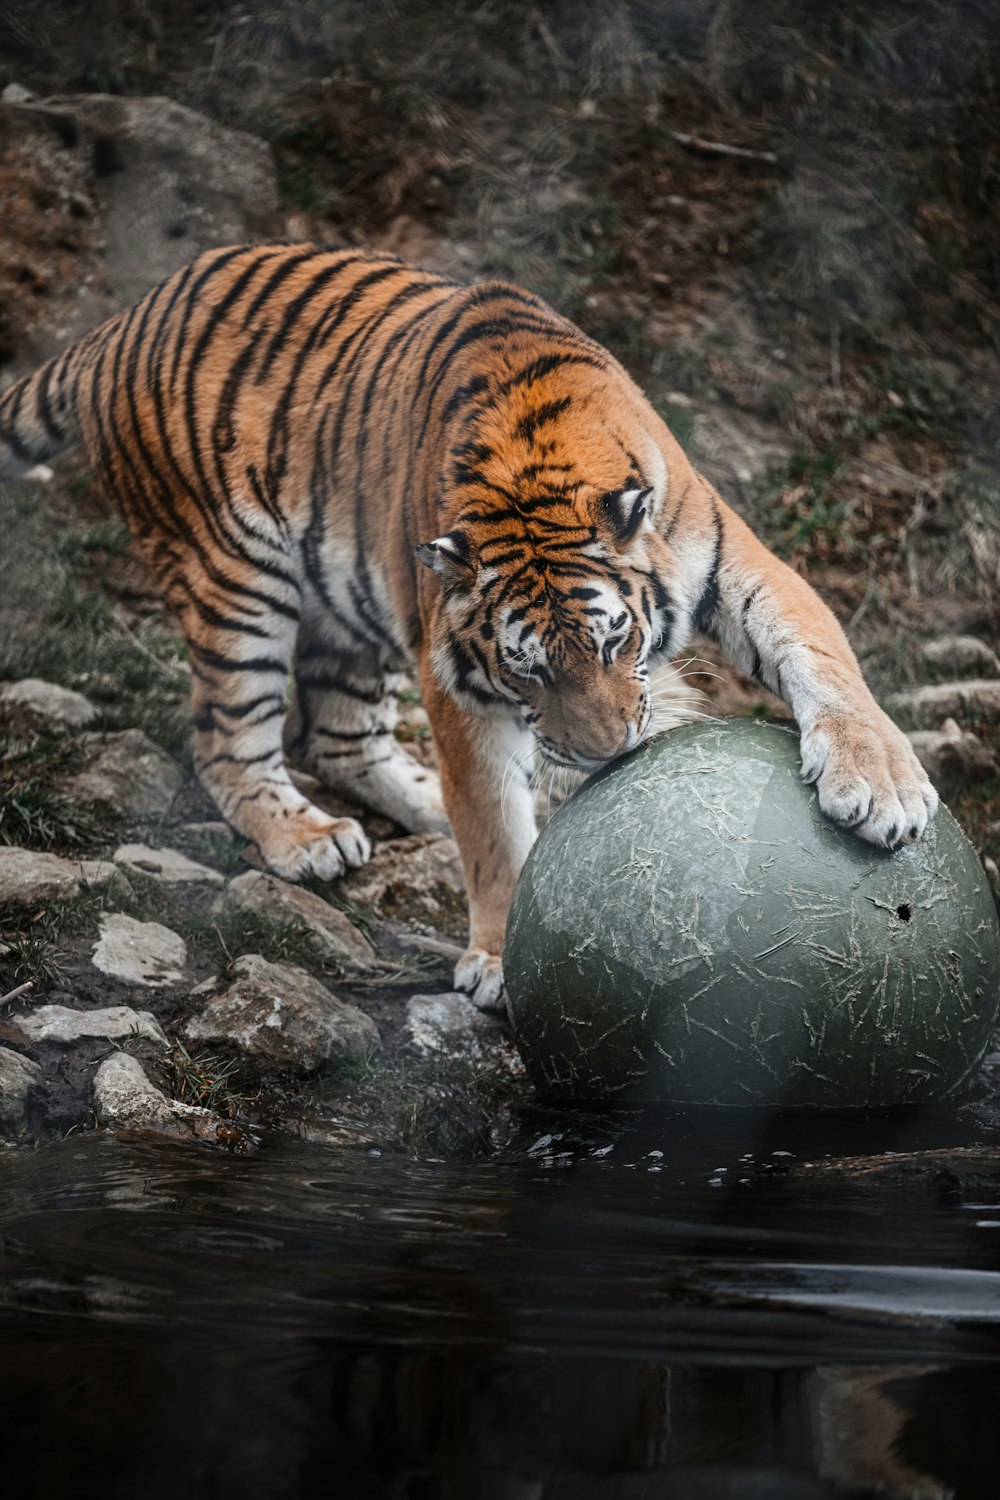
x,y
451,1024
113,1023
277,901
960,653
125,1100
144,953
127,774
950,755
281,1013
18,1076
27,877
977,698
414,875
166,865
43,707
16,93
993,876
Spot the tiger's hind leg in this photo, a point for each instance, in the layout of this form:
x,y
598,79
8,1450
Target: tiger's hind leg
x,y
341,731
240,658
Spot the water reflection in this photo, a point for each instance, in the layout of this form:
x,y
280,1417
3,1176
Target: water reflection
x,y
307,1323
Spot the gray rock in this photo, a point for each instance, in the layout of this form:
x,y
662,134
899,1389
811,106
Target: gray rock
x,y
960,653
18,1076
950,755
281,1013
125,1100
44,707
143,953
27,877
450,1024
417,876
166,865
277,901
127,774
113,1023
977,698
181,184
136,188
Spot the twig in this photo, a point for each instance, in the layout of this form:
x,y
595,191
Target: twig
x,y
168,668
719,148
22,989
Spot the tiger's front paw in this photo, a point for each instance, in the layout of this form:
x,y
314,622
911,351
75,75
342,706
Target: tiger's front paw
x,y
315,845
867,776
479,975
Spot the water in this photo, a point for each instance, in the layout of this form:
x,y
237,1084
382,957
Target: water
x,y
559,1326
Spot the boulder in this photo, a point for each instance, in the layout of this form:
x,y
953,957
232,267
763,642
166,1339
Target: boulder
x,y
126,774
951,755
142,953
281,1014
106,196
958,654
18,1077
125,1100
420,876
28,877
976,698
168,866
114,1023
277,901
34,706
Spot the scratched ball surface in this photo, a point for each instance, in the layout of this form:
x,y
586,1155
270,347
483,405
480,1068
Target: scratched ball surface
x,y
690,928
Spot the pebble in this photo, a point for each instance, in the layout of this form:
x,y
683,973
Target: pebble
x,y
168,866
143,953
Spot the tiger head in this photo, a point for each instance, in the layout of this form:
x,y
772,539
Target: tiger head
x,y
553,602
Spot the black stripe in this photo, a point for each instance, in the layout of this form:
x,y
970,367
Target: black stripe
x,y
704,612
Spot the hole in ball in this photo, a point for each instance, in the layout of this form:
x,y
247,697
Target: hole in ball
x,y
903,911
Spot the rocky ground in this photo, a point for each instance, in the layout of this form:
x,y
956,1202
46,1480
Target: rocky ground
x,y
153,980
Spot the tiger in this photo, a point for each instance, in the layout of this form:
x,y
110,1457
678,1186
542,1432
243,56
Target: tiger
x,y
343,468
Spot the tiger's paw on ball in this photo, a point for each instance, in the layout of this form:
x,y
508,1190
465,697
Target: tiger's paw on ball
x,y
868,778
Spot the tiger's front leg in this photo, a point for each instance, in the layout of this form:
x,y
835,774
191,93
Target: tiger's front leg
x,y
239,675
484,777
775,627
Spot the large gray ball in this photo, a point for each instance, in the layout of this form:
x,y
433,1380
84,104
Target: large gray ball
x,y
691,929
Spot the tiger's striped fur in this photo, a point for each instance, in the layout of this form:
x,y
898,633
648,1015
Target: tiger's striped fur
x,y
292,431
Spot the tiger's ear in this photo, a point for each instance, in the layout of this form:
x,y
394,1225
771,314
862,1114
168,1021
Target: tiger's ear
x,y
450,556
625,511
